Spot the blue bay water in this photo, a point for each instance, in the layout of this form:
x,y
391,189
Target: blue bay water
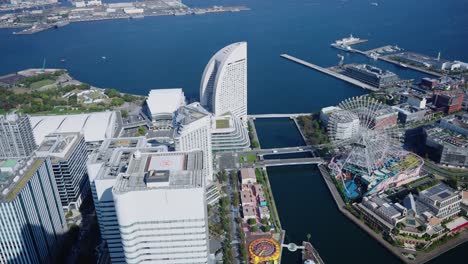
x,y
161,52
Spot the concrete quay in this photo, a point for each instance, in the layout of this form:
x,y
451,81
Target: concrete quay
x,y
386,58
330,72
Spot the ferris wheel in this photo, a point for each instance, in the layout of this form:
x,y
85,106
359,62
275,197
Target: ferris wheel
x,y
365,132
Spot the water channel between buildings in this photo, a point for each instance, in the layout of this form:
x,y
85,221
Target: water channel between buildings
x,y
305,206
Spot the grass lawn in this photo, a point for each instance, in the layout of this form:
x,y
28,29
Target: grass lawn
x,y
39,84
222,123
248,158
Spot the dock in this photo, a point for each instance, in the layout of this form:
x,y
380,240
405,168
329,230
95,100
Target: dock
x,y
330,72
386,58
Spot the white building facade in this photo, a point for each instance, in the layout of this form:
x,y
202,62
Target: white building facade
x,y
16,136
192,131
103,166
161,208
223,87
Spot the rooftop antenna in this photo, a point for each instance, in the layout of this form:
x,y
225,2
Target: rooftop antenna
x,y
43,65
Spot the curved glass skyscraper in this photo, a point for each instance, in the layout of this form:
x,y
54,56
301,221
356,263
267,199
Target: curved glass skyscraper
x,y
223,87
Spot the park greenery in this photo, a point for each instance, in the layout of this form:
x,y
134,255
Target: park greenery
x,y
40,80
253,142
53,100
314,132
248,158
224,210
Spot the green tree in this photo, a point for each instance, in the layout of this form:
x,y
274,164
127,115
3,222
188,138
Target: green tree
x,y
254,228
112,93
73,100
117,101
251,221
254,144
124,113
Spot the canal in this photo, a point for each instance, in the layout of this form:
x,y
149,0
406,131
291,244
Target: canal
x,y
306,206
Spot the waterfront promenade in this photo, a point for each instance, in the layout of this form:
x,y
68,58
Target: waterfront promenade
x,y
330,72
422,257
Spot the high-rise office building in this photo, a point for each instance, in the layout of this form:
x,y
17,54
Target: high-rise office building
x,y
31,216
103,166
68,155
223,87
16,136
161,208
192,131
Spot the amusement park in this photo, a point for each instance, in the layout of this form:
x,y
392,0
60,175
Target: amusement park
x,y
371,159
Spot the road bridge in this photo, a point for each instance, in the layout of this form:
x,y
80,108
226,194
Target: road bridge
x,y
330,72
285,162
288,115
275,151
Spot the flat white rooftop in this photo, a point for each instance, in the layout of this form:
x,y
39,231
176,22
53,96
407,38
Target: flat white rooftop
x,y
165,100
94,126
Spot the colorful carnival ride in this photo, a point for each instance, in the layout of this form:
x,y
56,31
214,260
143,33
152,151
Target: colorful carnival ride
x,y
371,159
264,250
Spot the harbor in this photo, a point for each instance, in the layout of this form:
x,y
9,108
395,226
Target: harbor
x,y
35,21
385,53
330,72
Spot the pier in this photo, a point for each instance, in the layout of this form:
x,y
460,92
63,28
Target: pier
x,y
386,58
330,72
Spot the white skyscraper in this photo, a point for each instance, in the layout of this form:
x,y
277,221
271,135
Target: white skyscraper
x,y
103,168
192,131
161,208
223,85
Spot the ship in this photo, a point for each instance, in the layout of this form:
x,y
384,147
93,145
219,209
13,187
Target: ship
x,y
346,41
61,24
403,65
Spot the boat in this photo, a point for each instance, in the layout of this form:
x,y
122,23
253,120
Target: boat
x,y
63,60
137,16
375,4
403,65
104,57
60,24
346,41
